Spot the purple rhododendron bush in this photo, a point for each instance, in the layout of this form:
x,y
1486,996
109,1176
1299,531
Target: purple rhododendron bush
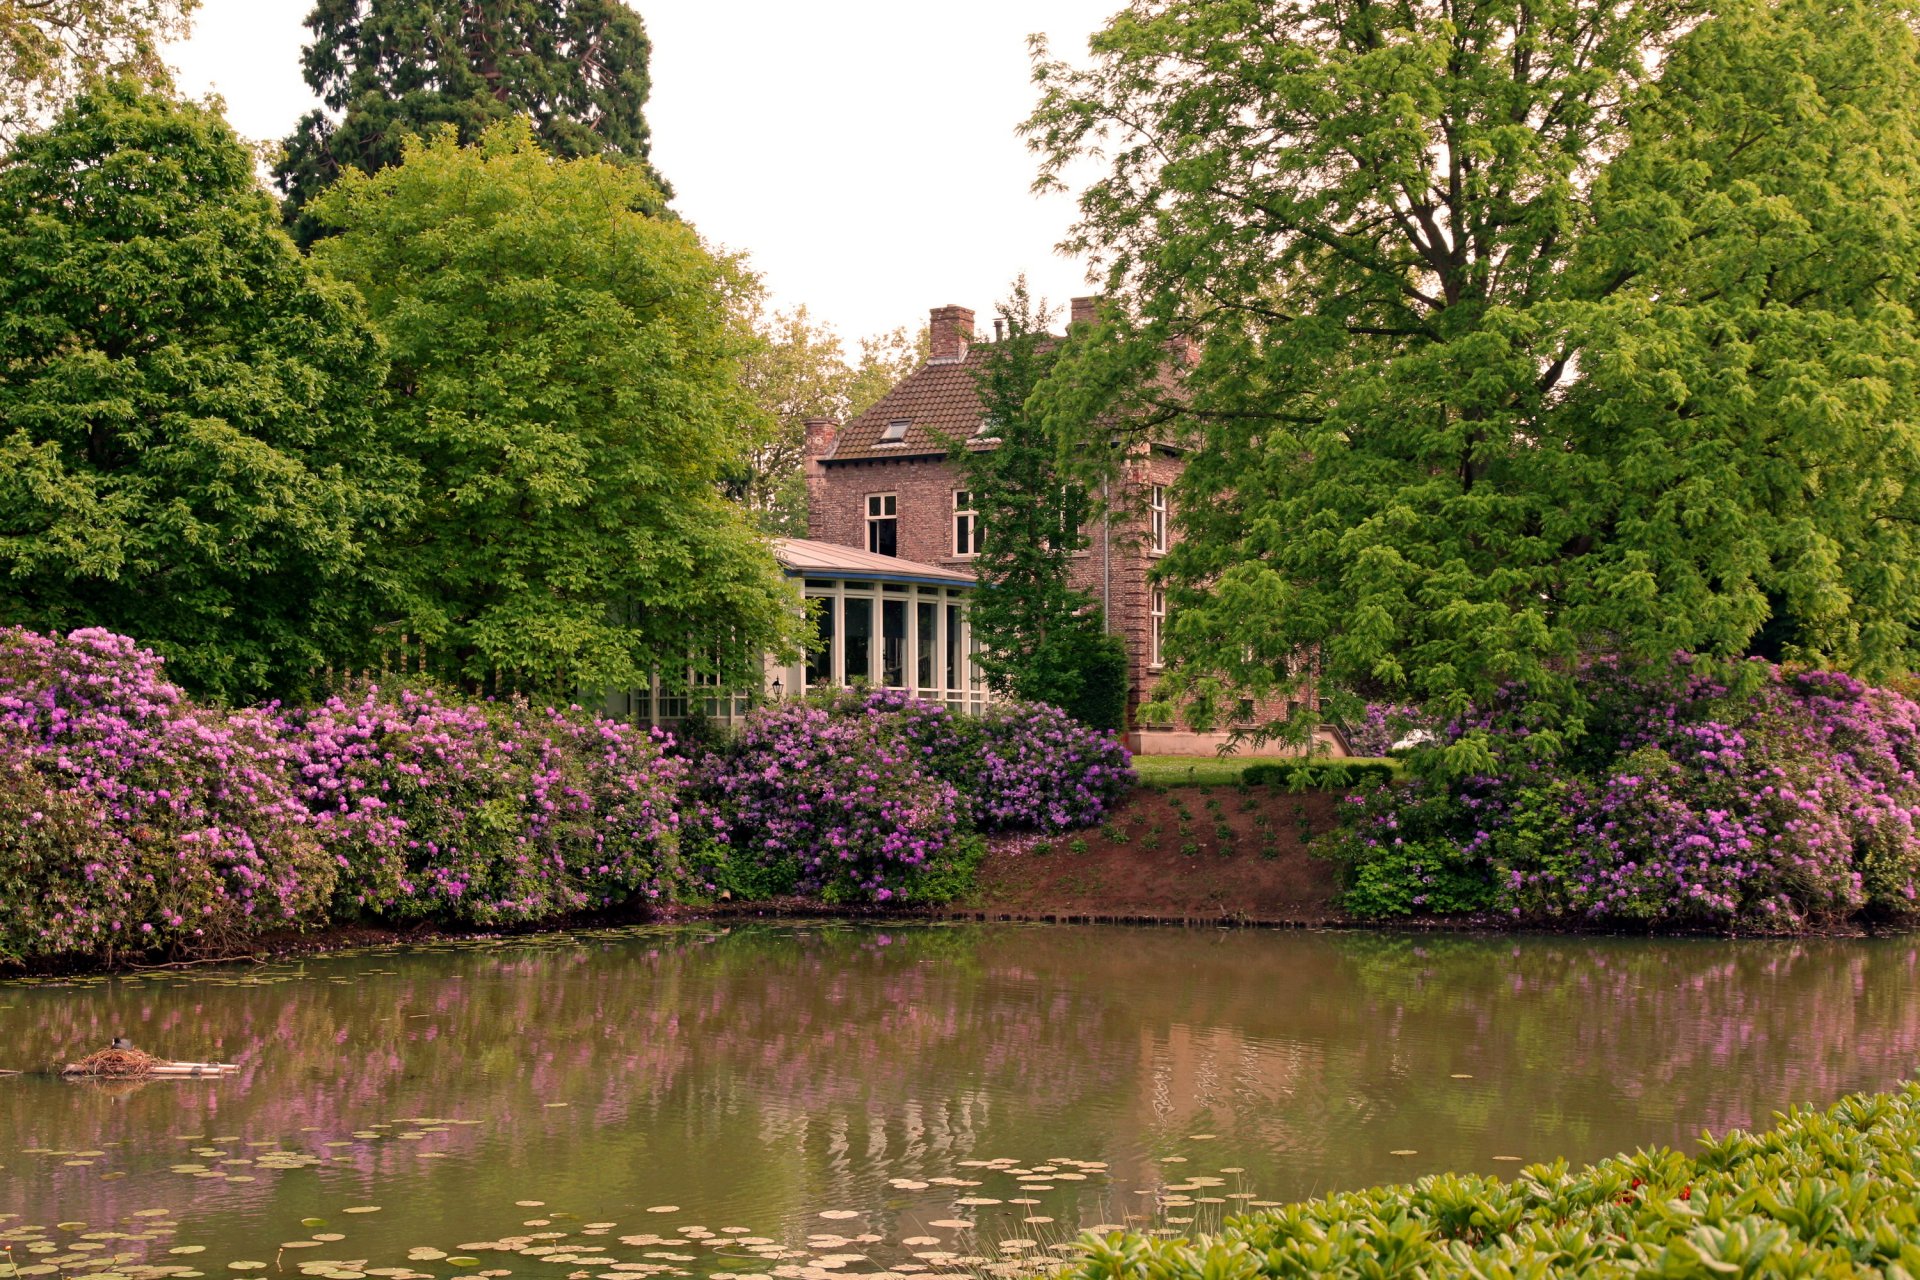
x,y
872,797
484,813
1683,805
131,820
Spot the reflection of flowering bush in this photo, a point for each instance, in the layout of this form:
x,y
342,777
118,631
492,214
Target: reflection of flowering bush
x,y
484,813
130,819
1683,804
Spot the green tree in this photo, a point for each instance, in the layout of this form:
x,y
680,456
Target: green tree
x,y
386,70
190,442
1527,331
566,375
49,49
1041,638
795,370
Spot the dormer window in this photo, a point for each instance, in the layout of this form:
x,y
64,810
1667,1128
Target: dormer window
x,y
896,431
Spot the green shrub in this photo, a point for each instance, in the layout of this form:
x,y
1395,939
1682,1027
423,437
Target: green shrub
x,y
953,875
1823,1194
1317,775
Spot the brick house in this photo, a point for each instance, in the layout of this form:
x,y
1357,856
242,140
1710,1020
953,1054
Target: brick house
x,y
882,484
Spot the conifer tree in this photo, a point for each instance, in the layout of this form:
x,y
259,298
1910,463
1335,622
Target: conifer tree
x,y
388,69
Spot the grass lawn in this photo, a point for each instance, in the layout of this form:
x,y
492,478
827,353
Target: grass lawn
x,y
1208,771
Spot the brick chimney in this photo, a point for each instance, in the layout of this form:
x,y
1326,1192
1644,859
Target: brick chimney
x,y
1083,311
949,330
820,433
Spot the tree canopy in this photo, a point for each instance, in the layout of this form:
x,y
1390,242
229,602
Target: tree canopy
x,y
190,441
389,69
49,49
566,376
1528,331
796,369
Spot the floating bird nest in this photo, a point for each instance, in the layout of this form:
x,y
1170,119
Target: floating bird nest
x,y
134,1064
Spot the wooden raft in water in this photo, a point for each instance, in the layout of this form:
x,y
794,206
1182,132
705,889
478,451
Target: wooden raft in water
x,y
132,1064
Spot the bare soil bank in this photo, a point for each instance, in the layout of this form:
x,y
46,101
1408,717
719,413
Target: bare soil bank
x,y
1182,854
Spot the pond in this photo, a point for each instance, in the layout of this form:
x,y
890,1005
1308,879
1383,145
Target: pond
x,y
801,1101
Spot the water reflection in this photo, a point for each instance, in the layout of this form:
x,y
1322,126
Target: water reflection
x,y
759,1076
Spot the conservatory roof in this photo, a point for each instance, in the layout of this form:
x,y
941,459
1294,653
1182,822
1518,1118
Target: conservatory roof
x,y
803,557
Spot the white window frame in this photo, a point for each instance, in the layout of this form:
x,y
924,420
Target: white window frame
x,y
882,506
970,547
1157,518
1156,626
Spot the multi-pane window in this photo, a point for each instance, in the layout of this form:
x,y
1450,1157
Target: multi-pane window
x,y
1157,517
1157,614
966,524
883,524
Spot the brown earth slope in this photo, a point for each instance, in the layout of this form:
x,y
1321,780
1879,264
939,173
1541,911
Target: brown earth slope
x,y
1176,853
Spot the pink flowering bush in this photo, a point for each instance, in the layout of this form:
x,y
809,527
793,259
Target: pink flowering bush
x,y
132,821
1683,805
834,801
484,814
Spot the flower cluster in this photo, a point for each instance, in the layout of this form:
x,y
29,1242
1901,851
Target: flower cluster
x,y
1684,803
835,802
484,813
131,820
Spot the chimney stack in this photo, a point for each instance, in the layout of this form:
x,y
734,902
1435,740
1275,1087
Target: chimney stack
x,y
820,433
950,329
1083,311
819,443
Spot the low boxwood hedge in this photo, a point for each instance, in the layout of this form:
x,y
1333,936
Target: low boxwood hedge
x,y
1828,1193
1317,775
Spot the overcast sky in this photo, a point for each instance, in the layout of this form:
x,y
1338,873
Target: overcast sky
x,y
862,151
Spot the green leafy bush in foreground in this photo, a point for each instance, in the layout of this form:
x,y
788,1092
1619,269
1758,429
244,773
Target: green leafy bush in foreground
x,y
1824,1194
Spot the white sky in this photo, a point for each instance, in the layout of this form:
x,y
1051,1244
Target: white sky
x,y
861,151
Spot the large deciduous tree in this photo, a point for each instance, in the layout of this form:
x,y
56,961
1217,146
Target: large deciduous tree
x,y
389,69
49,49
1530,329
566,375
190,443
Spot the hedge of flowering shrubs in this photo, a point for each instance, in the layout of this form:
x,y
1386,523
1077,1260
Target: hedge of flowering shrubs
x,y
483,813
869,797
133,821
1683,805
1821,1194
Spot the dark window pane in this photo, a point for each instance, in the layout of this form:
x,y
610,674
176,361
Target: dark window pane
x,y
926,656
859,640
881,537
893,643
820,660
953,646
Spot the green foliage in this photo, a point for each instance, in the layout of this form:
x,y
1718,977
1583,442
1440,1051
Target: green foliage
x,y
1042,639
387,70
1553,329
1822,1194
50,49
192,445
566,377
796,369
1318,775
950,875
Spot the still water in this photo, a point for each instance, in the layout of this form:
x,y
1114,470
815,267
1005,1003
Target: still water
x,y
806,1101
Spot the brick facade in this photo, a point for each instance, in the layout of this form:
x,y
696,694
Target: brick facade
x,y
846,466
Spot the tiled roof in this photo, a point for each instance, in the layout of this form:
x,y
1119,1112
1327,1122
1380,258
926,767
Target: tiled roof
x,y
805,556
935,400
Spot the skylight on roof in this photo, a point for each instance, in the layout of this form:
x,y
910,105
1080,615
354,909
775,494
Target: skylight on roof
x,y
896,431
